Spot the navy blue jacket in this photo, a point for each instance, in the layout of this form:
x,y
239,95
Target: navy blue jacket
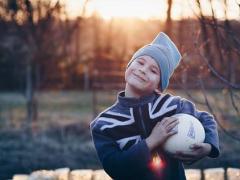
x,y
120,131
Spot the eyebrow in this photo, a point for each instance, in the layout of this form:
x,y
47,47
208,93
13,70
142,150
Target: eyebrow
x,y
155,68
152,66
142,59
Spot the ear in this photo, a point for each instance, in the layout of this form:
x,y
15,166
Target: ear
x,y
158,91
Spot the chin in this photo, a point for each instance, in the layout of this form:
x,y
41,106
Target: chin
x,y
139,86
134,84
141,89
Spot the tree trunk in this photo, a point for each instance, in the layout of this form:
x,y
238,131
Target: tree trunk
x,y
31,101
168,25
29,95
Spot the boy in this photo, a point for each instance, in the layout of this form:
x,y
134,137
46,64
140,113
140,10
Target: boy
x,y
129,134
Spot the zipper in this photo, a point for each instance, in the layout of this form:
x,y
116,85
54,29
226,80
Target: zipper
x,y
142,123
156,162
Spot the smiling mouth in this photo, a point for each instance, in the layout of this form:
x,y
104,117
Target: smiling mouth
x,y
139,77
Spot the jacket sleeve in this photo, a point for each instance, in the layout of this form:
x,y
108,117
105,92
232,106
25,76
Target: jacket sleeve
x,y
208,122
116,162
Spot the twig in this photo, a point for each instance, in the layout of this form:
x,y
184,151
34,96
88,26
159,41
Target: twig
x,y
189,94
212,112
233,102
235,86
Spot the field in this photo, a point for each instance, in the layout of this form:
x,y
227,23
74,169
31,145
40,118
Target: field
x,y
60,136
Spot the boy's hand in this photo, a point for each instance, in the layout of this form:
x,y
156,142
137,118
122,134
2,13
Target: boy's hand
x,y
161,132
199,151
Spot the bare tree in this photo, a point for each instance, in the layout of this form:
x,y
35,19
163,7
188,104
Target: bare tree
x,y
168,24
37,25
218,48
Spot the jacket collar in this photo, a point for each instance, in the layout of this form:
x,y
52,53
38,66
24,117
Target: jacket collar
x,y
133,102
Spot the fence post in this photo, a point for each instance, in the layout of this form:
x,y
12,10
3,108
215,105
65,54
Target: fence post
x,y
100,175
233,174
214,173
83,174
193,174
20,177
62,173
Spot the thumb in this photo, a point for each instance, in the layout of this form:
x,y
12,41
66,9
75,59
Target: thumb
x,y
196,146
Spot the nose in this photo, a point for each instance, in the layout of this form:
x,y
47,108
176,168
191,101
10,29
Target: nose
x,y
143,69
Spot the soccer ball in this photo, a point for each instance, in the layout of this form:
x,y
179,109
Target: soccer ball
x,y
190,131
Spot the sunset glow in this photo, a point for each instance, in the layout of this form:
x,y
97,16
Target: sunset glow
x,y
151,9
129,9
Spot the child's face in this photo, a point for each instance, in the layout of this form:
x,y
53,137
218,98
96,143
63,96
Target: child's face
x,y
143,75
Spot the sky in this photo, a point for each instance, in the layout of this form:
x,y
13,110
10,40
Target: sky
x,y
151,9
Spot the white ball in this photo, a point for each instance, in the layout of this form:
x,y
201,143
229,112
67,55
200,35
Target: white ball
x,y
190,131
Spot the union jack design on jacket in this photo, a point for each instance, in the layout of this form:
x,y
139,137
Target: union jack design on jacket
x,y
119,135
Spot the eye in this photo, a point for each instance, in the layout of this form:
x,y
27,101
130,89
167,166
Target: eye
x,y
140,62
154,71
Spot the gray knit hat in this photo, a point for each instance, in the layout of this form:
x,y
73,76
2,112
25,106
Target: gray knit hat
x,y
165,53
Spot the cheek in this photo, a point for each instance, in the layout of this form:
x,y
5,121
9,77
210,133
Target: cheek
x,y
155,81
127,73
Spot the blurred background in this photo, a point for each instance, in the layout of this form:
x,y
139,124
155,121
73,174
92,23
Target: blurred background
x,y
63,61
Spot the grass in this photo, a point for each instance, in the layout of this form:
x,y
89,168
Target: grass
x,y
77,106
61,136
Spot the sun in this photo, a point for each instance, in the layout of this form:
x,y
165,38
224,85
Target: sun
x,y
143,9
149,9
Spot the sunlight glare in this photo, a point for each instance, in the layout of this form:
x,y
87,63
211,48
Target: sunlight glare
x,y
143,9
150,9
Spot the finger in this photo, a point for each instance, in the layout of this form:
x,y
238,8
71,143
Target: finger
x,y
183,158
196,146
169,120
163,121
172,132
187,155
172,126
